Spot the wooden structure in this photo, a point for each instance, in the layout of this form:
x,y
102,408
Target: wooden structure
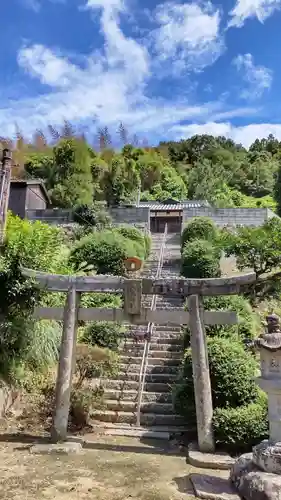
x,y
170,213
27,195
134,313
5,179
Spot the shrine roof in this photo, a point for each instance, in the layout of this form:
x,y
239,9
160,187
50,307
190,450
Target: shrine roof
x,y
170,205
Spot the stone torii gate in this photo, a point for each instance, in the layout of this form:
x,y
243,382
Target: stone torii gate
x,y
134,313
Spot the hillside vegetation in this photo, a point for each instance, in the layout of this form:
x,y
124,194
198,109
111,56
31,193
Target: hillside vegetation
x,y
78,170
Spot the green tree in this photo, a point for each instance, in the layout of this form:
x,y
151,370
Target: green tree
x,y
73,176
257,248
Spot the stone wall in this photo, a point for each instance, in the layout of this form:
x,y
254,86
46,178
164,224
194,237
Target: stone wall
x,y
131,215
230,216
51,215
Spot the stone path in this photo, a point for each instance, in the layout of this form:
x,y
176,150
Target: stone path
x,y
163,362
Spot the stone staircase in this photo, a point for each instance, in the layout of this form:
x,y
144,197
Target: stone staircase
x,y
164,358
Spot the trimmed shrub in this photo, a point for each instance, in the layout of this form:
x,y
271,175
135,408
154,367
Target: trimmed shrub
x,y
134,234
106,251
239,429
199,228
200,259
104,334
232,372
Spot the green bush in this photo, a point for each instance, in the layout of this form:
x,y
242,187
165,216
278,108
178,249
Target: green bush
x,y
239,429
232,372
135,234
34,244
104,334
92,216
24,343
106,251
44,343
200,259
101,300
199,228
248,320
247,327
147,242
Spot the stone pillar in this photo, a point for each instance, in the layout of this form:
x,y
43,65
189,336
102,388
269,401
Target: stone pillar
x,y
65,368
201,376
259,473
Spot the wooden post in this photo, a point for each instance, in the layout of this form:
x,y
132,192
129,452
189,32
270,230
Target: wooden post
x,y
5,180
201,378
65,368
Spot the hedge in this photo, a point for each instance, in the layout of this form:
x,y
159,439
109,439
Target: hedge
x,y
200,259
232,372
106,251
199,228
239,429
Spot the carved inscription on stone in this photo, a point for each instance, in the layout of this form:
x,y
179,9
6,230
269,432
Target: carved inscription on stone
x,y
274,365
132,296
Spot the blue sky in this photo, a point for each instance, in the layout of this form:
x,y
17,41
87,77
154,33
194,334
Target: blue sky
x,y
166,69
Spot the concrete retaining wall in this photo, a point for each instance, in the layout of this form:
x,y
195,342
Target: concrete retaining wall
x,y
51,215
230,216
131,215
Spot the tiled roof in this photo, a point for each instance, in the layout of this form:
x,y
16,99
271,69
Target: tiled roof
x,y
156,205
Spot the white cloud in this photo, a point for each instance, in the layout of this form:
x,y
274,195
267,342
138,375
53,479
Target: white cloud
x,y
244,9
112,85
245,135
257,78
188,35
106,4
42,63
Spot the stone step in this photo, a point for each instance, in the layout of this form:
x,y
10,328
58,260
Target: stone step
x,y
121,385
130,368
149,378
131,406
148,419
174,341
152,360
166,335
177,355
167,328
127,395
165,346
163,328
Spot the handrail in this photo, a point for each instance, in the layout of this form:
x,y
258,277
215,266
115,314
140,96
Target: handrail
x,y
149,331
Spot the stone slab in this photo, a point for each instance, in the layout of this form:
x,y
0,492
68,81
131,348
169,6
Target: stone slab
x,y
66,448
252,483
217,460
212,487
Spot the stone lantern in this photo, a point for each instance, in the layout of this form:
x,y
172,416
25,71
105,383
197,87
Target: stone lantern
x,y
257,475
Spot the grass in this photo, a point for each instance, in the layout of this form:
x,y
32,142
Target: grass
x,y
113,469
